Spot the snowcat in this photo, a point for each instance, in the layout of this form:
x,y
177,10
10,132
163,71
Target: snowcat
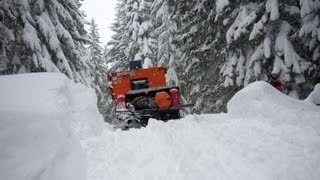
x,y
140,94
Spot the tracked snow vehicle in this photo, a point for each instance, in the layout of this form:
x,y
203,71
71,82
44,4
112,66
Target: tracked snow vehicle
x,y
140,94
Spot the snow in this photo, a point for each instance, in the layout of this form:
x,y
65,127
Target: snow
x,y
258,27
272,7
267,47
236,65
40,126
144,27
243,24
316,54
227,70
264,135
314,96
310,25
30,37
291,59
47,28
6,32
45,60
245,18
220,6
292,9
254,59
240,70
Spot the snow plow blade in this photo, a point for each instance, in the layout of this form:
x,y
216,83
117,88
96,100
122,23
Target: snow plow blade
x,y
136,119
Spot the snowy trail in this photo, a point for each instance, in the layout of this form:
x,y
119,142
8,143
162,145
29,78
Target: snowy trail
x,y
205,147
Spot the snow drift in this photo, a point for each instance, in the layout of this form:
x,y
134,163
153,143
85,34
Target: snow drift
x,y
42,117
260,100
314,96
265,135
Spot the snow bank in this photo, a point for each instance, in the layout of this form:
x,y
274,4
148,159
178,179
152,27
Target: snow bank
x,y
40,114
265,135
261,100
314,96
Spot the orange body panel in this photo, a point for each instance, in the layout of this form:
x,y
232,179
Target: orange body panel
x,y
121,81
163,99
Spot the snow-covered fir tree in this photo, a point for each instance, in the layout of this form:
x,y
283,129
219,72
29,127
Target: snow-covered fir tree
x,y
38,35
201,53
265,37
309,34
95,51
115,56
162,12
119,42
140,32
309,31
99,82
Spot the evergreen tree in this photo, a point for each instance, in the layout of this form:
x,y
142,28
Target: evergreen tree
x,y
116,55
310,30
309,34
39,36
162,12
140,32
200,46
270,31
99,66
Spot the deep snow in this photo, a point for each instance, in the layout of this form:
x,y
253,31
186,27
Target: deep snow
x,y
38,121
264,135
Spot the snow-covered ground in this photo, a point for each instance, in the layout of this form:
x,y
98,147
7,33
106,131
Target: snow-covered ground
x,y
50,128
41,117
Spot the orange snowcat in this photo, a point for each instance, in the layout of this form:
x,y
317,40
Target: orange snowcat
x,y
140,94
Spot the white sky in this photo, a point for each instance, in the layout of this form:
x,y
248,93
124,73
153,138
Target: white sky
x,y
103,12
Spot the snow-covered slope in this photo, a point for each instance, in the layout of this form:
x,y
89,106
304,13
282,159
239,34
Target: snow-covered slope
x,y
314,96
39,116
264,135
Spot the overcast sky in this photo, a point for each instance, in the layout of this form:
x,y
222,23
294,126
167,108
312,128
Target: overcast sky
x,y
102,11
